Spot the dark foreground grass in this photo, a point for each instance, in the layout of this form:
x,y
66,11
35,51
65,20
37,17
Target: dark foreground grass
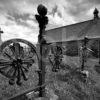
x,y
66,83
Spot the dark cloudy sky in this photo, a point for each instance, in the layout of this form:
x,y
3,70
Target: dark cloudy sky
x,y
17,16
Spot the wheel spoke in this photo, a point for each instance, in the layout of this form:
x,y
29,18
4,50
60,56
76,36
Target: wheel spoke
x,y
5,63
4,68
14,73
4,71
12,50
19,74
30,61
25,68
17,49
21,52
10,72
23,74
7,55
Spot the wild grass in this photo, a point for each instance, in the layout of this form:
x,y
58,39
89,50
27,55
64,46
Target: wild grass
x,y
66,84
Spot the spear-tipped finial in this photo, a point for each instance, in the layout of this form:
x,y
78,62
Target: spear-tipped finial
x,y
96,12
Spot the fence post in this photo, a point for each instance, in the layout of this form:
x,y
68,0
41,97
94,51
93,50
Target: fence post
x,y
42,21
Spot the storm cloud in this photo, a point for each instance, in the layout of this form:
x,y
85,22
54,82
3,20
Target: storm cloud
x,y
20,14
79,8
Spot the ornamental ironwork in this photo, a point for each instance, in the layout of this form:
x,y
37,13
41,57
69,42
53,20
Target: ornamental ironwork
x,y
16,60
56,58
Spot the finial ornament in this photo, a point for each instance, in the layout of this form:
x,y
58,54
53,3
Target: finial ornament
x,y
96,12
42,10
42,20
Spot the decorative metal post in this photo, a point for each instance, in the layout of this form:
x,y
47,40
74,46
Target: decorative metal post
x,y
0,38
0,34
97,66
99,50
84,48
43,21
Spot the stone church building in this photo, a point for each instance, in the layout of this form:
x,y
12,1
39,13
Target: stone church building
x,y
89,28
75,32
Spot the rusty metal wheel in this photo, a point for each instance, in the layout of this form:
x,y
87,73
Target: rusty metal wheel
x,y
56,58
17,56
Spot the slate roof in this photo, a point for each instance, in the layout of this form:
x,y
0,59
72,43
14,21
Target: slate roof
x,y
90,28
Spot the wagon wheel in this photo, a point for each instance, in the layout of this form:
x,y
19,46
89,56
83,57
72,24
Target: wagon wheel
x,y
56,58
16,59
